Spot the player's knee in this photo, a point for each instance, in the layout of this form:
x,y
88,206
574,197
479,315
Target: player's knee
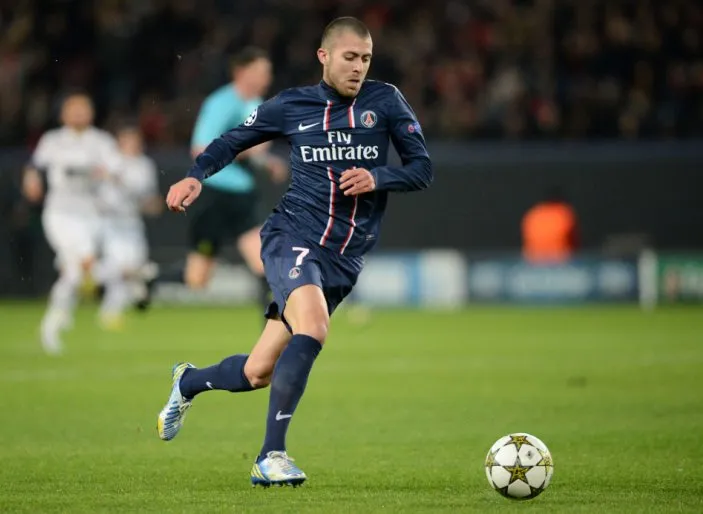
x,y
259,381
258,374
315,326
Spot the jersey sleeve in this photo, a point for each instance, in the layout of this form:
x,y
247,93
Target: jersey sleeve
x,y
265,123
415,173
41,158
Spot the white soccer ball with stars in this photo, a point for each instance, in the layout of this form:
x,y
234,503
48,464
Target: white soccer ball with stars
x,y
519,466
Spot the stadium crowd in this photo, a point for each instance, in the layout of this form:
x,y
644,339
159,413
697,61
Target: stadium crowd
x,y
518,69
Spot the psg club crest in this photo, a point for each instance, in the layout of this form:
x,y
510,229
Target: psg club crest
x,y
368,119
294,273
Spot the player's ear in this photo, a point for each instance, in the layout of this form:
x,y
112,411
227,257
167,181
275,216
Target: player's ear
x,y
322,56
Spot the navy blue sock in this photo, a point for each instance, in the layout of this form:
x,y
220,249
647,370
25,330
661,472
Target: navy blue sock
x,y
228,375
287,386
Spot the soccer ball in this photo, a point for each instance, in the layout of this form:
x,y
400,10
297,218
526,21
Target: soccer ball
x,y
519,466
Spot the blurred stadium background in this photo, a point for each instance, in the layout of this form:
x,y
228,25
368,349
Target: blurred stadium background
x,y
600,99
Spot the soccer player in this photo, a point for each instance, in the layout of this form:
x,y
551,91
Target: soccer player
x,y
76,158
122,201
314,242
230,205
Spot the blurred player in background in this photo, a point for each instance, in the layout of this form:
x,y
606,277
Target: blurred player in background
x,y
314,242
76,158
230,208
123,200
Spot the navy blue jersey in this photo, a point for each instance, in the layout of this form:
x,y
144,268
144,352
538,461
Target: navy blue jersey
x,y
329,134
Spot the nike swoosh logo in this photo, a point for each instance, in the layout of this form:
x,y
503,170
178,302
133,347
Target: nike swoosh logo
x,y
302,127
280,416
209,384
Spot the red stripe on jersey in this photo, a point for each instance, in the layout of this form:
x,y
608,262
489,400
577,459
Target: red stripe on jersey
x,y
330,220
326,117
350,114
352,226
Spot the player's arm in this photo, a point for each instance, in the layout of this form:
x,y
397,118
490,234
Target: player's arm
x,y
414,174
264,124
211,123
32,180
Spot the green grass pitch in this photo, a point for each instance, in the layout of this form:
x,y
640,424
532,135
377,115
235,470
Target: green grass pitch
x,y
398,415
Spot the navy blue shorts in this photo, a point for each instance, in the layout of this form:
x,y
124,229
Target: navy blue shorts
x,y
291,261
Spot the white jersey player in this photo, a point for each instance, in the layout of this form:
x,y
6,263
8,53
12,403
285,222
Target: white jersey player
x,y
122,200
76,158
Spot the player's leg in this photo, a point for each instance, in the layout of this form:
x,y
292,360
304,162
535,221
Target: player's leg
x,y
198,270
237,373
205,233
73,241
306,313
124,254
249,246
245,215
241,372
296,273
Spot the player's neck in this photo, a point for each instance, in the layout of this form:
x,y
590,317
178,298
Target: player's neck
x,y
77,130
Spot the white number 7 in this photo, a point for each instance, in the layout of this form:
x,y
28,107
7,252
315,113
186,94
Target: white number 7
x,y
301,255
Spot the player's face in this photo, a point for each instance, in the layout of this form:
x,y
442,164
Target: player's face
x,y
77,112
257,75
130,142
346,62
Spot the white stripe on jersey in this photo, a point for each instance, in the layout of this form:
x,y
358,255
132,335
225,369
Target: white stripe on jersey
x,y
330,220
326,116
350,115
352,225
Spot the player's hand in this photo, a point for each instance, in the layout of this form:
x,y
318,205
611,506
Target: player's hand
x,y
356,181
32,186
182,194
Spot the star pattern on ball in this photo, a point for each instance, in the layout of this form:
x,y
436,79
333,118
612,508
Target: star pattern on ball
x,y
518,441
491,459
546,459
517,472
